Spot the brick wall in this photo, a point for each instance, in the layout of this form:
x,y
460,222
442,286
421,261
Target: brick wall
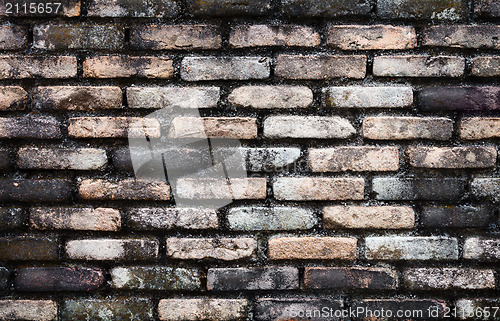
x,y
370,130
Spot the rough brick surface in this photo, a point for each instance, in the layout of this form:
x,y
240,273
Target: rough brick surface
x,y
271,97
273,35
482,249
259,159
312,248
411,248
42,279
474,308
228,7
235,188
325,8
67,218
270,218
368,97
12,98
320,66
129,189
419,308
459,98
179,37
78,98
371,37
113,127
77,159
452,157
30,310
307,127
139,309
368,217
258,278
150,219
213,127
13,37
486,188
11,218
398,128
286,308
30,128
418,66
440,189
487,8
349,278
224,249
460,36
448,278
128,66
199,309
318,188
21,67
168,97
155,278
112,249
35,190
456,216
134,8
479,128
433,9
356,159
26,248
486,66
225,68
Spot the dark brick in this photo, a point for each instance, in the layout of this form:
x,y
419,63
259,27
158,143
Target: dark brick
x,y
24,248
459,98
58,279
326,8
30,128
11,218
294,308
430,9
349,278
116,308
68,8
487,8
133,8
395,305
456,216
13,37
254,278
439,189
5,160
4,278
218,8
156,278
35,190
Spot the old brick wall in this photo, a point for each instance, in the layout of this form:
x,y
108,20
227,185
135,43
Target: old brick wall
x,y
370,129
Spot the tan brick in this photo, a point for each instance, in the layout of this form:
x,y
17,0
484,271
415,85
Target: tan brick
x,y
479,128
59,158
418,66
29,310
12,98
452,157
202,309
225,249
72,218
312,248
369,217
237,188
128,66
357,159
320,66
462,36
486,66
271,97
374,37
113,127
396,128
273,35
318,188
20,67
81,98
128,189
13,37
179,37
211,127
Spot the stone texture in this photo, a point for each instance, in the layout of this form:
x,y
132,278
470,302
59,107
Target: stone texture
x,y
35,190
11,218
170,97
373,37
128,189
486,67
258,159
271,97
112,249
137,309
78,98
68,8
371,309
404,128
223,249
225,68
244,36
462,36
12,98
487,8
30,127
413,248
13,37
28,310
320,66
156,278
27,248
356,159
456,216
452,157
350,278
175,37
418,66
4,279
5,163
73,218
318,188
479,128
128,66
459,98
133,8
312,248
22,67
113,127
60,159
475,307
325,8
290,308
482,249
308,127
448,278
213,127
437,189
43,279
221,8
271,218
202,309
368,97
253,278
161,218
486,188
209,189
368,217
433,9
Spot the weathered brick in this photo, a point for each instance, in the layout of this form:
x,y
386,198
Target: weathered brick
x,y
418,66
318,188
398,128
235,188
11,218
462,36
133,8
224,249
5,163
168,97
451,157
482,249
474,308
4,278
487,8
58,279
258,159
128,66
30,128
369,217
127,189
432,9
479,128
308,127
459,98
68,218
438,189
486,188
411,309
220,8
411,248
96,37
271,97
356,159
349,278
312,248
456,216
68,8
178,37
448,278
486,67
21,67
35,190
162,218
374,37
78,98
113,127
202,309
320,66
12,98
13,37
139,309
112,249
244,36
275,309
225,68
368,97
51,158
271,218
325,8
253,278
156,278
29,310
214,127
